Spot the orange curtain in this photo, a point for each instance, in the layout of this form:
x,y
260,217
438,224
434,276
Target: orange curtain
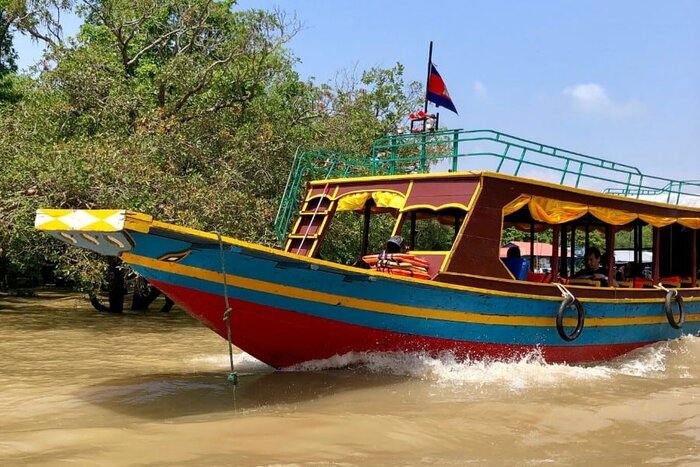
x,y
657,221
690,222
553,211
612,216
516,204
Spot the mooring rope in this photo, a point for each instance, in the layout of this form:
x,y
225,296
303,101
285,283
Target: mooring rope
x,y
232,376
565,292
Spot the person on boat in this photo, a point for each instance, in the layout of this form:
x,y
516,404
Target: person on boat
x,y
593,270
515,263
395,244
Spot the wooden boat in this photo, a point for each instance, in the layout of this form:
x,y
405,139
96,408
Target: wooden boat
x,y
290,305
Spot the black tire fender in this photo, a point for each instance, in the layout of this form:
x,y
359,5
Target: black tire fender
x,y
674,297
567,303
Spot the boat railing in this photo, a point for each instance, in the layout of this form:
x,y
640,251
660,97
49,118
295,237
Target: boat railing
x,y
314,165
463,150
458,150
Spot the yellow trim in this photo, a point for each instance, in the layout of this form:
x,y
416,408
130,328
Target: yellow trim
x,y
380,307
510,273
138,222
432,207
409,189
378,178
399,220
297,221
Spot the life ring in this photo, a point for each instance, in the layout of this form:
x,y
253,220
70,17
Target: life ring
x,y
671,297
570,302
398,258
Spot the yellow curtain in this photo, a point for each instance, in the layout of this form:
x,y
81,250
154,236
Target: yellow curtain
x,y
657,221
553,211
690,222
612,216
353,201
516,204
388,199
382,199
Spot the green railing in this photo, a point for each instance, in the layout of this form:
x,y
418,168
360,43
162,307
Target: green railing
x,y
462,150
318,165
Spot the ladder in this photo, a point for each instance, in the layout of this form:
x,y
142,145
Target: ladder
x,y
305,236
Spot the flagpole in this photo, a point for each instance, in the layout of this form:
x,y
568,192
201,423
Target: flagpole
x,y
427,80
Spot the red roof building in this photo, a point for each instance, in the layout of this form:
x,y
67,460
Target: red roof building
x,y
541,249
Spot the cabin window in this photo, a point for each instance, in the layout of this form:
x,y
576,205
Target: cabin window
x,y
430,230
343,240
633,252
526,250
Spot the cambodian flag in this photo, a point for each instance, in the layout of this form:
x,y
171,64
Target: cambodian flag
x,y
437,91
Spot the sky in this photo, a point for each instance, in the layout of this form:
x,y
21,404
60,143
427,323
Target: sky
x,y
617,80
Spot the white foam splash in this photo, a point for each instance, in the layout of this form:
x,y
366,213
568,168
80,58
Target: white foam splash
x,y
518,373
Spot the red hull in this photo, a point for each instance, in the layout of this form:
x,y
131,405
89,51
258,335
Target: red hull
x,y
282,338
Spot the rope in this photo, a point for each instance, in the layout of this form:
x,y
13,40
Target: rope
x,y
565,292
661,287
232,376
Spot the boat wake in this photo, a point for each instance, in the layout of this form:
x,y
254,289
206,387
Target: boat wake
x,y
661,360
672,359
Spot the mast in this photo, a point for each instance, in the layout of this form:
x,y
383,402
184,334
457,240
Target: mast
x,y
427,79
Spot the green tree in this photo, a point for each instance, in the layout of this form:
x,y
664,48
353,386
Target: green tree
x,y
8,56
186,110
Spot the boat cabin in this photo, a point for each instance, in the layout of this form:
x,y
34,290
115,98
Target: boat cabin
x,y
454,222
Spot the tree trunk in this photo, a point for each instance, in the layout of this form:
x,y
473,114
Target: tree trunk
x,y
116,285
144,295
167,305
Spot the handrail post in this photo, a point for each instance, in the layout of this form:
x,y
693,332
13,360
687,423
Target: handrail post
x,y
565,171
520,162
373,162
423,153
503,159
455,149
392,153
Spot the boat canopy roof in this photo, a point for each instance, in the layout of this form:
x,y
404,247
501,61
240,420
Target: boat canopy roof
x,y
530,200
403,193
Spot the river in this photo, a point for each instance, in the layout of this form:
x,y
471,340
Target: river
x,y
82,388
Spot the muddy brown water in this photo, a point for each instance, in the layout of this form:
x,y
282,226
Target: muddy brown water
x,y
82,388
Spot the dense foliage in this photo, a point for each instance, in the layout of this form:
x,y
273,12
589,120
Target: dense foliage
x,y
188,110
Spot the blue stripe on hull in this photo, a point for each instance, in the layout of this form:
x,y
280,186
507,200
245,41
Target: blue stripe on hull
x,y
497,334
